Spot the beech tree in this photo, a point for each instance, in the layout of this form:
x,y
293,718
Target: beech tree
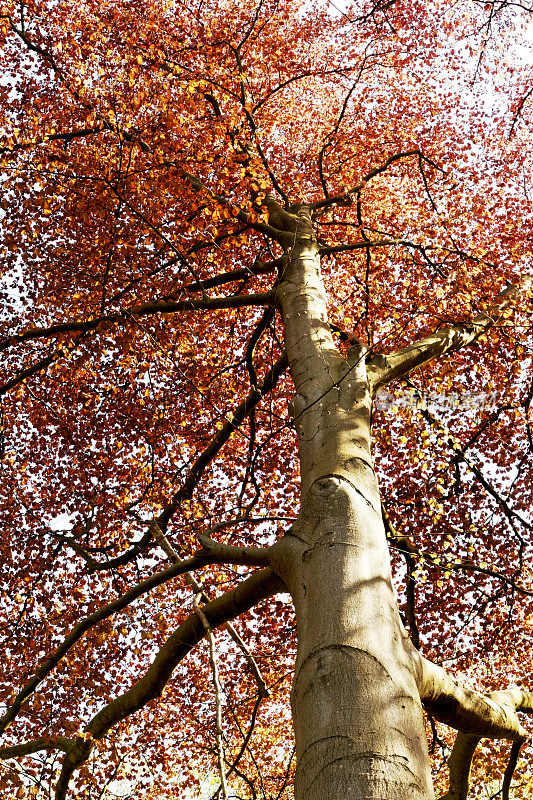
x,y
266,389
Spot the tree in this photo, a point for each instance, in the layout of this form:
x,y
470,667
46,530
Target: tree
x,y
226,228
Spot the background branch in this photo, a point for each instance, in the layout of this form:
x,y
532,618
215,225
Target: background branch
x,y
218,696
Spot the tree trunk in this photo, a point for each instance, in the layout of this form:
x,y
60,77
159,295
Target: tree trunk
x,y
357,714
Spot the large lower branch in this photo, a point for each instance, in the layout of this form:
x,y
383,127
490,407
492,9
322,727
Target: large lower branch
x,y
257,587
474,716
180,567
493,716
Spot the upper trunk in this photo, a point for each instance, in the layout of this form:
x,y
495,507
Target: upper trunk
x,y
357,714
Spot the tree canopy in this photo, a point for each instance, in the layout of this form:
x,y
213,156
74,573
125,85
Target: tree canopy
x,y
154,159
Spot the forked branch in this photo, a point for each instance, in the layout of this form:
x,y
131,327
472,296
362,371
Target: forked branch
x,y
346,197
492,715
474,716
165,545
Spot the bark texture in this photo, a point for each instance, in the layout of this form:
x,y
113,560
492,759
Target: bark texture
x,y
357,715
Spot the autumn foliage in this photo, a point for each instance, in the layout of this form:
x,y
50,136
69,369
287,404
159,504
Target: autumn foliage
x,y
144,384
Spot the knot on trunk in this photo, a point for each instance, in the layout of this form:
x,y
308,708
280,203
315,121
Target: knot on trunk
x,y
325,486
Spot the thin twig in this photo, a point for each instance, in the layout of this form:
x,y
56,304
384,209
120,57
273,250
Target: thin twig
x,y
510,768
218,695
167,548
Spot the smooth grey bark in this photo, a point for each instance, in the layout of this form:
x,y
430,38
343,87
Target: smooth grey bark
x,y
357,714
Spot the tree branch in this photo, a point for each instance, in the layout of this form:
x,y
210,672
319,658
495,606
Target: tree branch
x,y
29,371
179,568
405,547
518,111
35,745
261,227
257,587
258,268
346,199
245,743
219,553
218,696
509,770
143,310
446,340
346,248
493,716
460,454
186,490
474,716
459,765
165,545
230,425
67,136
